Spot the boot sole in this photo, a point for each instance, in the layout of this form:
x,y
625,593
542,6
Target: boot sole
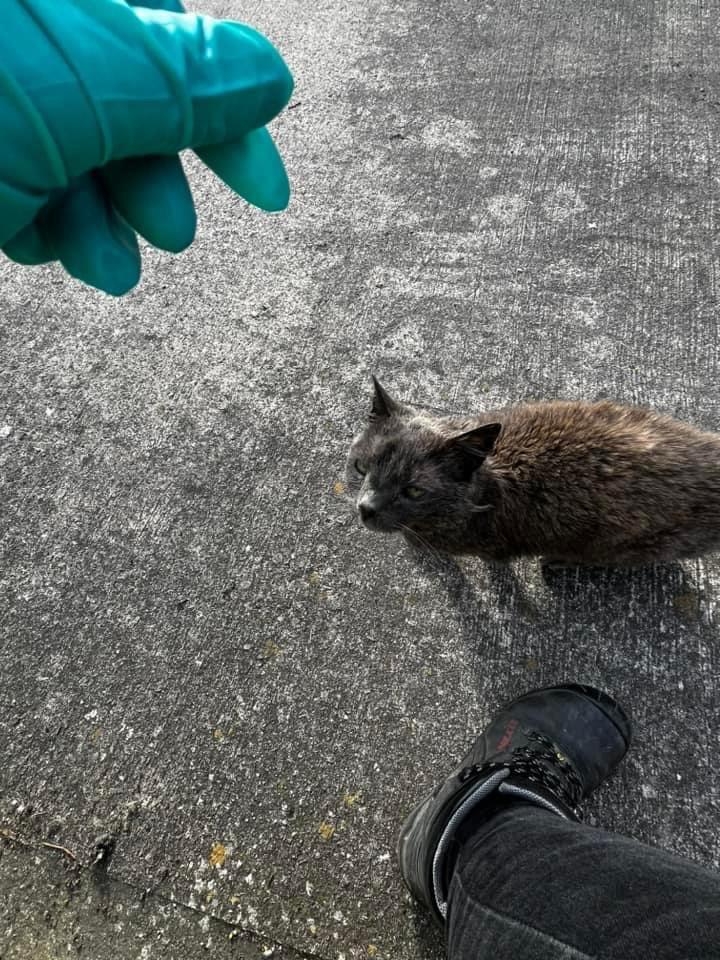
x,y
407,868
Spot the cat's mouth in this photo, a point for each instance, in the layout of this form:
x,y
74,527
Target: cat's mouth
x,y
376,523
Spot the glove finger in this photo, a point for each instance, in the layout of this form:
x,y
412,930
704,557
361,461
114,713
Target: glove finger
x,y
91,241
251,167
233,77
158,81
173,5
29,247
153,196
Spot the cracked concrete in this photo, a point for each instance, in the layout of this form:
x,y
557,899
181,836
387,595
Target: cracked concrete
x,y
52,906
206,665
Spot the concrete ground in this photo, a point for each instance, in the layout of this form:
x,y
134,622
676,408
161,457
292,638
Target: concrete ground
x,y
218,695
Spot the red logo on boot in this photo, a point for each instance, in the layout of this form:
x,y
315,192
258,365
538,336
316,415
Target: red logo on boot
x,y
505,740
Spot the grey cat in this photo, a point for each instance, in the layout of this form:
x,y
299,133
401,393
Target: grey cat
x,y
577,483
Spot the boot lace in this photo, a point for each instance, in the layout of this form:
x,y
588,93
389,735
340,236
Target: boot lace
x,y
539,761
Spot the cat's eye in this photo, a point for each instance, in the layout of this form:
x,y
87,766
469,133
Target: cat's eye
x,y
360,467
413,492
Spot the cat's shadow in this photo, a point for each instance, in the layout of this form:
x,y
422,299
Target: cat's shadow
x,y
463,592
533,602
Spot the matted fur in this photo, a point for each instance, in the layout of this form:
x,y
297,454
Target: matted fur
x,y
578,483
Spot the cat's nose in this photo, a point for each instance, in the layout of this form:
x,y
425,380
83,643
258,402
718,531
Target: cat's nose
x,y
366,511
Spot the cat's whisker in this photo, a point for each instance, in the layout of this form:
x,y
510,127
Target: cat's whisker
x,y
416,538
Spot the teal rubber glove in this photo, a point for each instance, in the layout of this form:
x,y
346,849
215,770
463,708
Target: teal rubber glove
x,y
97,98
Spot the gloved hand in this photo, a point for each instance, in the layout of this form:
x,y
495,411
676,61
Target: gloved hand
x,y
97,98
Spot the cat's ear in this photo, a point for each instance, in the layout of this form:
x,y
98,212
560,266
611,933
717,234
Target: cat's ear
x,y
383,404
479,441
468,449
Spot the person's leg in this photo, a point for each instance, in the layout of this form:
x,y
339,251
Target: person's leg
x,y
498,851
528,884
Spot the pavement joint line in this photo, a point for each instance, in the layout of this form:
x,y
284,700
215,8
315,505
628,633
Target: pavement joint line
x,y
145,893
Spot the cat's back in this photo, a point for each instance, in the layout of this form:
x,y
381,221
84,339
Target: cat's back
x,y
609,436
604,483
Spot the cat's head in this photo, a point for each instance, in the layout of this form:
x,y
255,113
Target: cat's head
x,y
409,471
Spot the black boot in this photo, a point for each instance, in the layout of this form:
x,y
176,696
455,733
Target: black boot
x,y
550,747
